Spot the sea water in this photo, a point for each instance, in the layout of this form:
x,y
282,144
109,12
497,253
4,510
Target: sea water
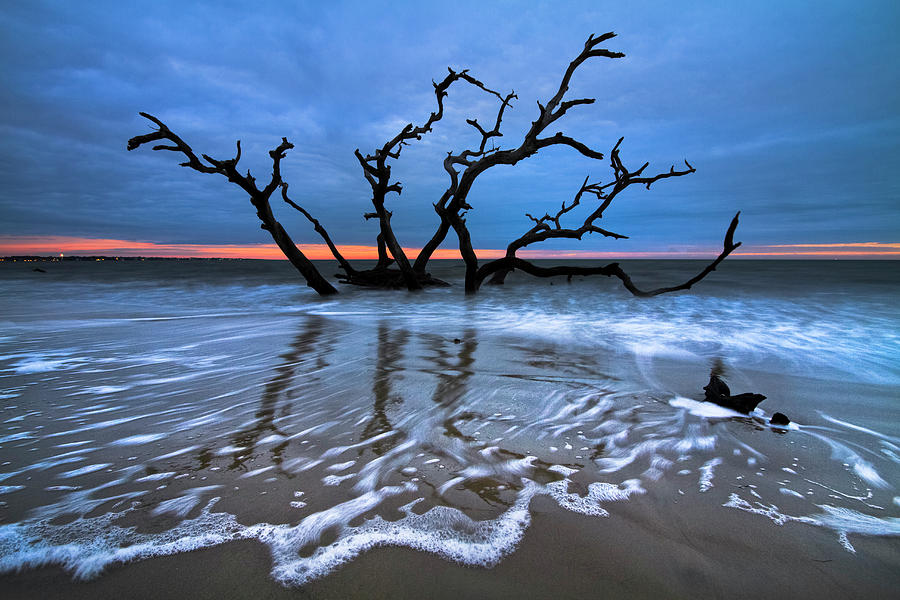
x,y
153,408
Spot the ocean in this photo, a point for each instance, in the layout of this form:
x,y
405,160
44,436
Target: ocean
x,y
156,408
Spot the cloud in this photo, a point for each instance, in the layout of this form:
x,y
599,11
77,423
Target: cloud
x,y
788,114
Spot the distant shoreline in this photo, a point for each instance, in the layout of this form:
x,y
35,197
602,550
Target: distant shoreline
x,y
26,258
103,258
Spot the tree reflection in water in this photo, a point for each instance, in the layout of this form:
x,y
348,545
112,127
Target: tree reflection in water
x,y
306,357
389,356
408,368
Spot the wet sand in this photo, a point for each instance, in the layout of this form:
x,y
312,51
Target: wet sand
x,y
631,554
672,541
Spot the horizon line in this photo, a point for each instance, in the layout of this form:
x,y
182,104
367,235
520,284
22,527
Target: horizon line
x,y
54,246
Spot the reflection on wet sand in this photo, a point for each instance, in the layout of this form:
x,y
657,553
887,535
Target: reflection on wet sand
x,y
305,358
304,355
388,366
452,378
453,371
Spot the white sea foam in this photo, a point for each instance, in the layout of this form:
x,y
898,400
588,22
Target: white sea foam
x,y
866,471
841,520
338,450
136,440
20,418
19,435
87,546
443,531
597,493
790,492
102,390
155,476
707,410
866,430
183,504
337,479
84,470
177,453
256,472
338,467
43,365
562,470
100,425
90,411
272,439
73,444
706,473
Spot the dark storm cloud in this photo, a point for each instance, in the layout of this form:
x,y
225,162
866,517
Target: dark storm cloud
x,y
788,110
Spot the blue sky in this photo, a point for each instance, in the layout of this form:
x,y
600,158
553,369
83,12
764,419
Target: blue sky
x,y
790,111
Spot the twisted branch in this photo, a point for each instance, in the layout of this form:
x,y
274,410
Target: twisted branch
x,y
453,203
549,227
259,198
508,263
346,266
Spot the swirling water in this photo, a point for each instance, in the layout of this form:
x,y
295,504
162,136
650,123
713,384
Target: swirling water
x,y
160,407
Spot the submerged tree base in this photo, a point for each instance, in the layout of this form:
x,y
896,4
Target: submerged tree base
x,y
390,279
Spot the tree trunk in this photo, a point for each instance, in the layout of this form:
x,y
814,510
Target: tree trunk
x,y
309,271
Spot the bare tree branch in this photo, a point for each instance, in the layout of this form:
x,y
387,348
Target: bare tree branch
x,y
605,193
508,263
258,198
451,209
728,246
346,266
378,173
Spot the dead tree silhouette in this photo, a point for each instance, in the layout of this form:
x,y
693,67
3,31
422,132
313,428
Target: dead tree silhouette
x,y
463,169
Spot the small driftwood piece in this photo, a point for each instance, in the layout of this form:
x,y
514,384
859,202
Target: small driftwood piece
x,y
717,392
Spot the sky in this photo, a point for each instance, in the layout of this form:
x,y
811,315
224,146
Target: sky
x,y
790,112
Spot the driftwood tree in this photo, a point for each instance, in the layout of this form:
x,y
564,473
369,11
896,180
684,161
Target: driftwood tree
x,y
394,269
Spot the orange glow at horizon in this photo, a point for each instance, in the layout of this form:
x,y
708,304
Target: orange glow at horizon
x,y
55,245
832,250
840,245
822,254
73,246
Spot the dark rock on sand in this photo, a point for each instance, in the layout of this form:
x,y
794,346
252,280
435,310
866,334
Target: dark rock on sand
x,y
39,270
717,392
779,419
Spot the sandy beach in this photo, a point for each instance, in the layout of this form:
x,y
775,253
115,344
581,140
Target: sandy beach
x,y
209,431
633,554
